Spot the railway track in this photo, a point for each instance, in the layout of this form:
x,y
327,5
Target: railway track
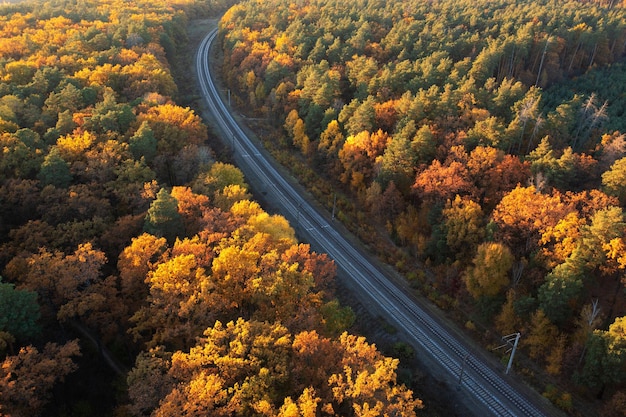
x,y
487,387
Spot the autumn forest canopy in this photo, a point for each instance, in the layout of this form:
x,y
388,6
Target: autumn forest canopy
x,y
478,146
126,243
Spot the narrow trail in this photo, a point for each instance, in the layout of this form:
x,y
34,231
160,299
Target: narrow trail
x,y
105,353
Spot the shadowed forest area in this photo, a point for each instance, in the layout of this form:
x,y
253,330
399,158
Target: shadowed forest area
x,y
477,147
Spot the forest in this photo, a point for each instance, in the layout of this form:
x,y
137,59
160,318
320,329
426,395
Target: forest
x,y
478,147
138,275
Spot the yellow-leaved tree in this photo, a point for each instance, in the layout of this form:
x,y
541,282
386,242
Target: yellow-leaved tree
x,y
259,368
489,274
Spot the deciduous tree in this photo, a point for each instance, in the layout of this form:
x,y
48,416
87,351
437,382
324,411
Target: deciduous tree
x,y
542,333
59,279
28,378
614,180
524,212
149,382
174,127
463,220
489,274
181,303
439,182
219,176
137,259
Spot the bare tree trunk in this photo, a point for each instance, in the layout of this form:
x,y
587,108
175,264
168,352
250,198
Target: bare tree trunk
x,y
593,55
571,63
545,49
511,62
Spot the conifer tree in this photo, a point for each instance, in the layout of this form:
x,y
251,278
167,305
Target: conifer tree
x,y
163,219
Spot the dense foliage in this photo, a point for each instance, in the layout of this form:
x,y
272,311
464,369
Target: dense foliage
x,y
485,138
119,228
